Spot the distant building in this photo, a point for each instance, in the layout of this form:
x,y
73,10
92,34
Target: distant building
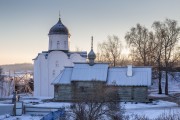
x,y
130,83
49,64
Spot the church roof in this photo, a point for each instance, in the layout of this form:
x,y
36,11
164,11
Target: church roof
x,y
59,28
85,72
64,77
141,76
82,72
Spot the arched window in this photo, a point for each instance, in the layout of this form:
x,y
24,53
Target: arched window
x,y
54,72
57,63
58,44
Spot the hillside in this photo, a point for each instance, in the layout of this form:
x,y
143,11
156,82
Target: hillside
x,y
18,67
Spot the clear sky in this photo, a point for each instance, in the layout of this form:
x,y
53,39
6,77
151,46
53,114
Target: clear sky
x,y
24,24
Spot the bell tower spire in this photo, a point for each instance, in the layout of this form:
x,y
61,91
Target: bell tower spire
x,y
91,42
59,15
91,55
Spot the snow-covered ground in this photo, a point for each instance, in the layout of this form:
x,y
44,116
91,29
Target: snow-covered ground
x,y
151,110
23,117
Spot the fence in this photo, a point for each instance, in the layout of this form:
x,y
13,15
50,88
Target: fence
x,y
57,115
41,111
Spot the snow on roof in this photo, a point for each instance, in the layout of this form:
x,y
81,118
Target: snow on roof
x,y
85,72
82,53
140,76
64,77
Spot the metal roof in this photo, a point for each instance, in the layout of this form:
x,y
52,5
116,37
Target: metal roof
x,y
101,72
140,76
85,72
59,28
64,77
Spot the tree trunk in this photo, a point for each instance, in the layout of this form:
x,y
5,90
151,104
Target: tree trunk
x,y
166,85
114,61
160,88
166,70
160,74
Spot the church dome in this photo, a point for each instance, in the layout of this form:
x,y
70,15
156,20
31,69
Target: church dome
x,y
91,55
59,28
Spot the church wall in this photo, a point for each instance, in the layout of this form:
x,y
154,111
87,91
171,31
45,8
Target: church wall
x,y
40,76
36,78
130,93
58,42
63,92
83,89
78,90
56,62
44,76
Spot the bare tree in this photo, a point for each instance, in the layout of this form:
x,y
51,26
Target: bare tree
x,y
175,61
110,51
1,70
159,51
1,81
169,32
155,49
95,111
140,42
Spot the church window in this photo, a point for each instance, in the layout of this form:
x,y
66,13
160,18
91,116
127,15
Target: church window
x,y
58,44
46,56
57,63
54,72
83,89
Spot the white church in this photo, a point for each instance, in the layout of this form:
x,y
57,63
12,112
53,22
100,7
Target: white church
x,y
49,64
63,75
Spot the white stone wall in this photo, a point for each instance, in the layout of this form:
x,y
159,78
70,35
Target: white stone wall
x,y
58,42
56,62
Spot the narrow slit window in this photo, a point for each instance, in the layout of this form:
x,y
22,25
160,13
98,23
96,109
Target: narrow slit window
x,y
58,44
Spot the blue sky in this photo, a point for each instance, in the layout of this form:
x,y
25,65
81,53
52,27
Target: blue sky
x,y
24,24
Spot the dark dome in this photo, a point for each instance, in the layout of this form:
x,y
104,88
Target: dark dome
x,y
59,28
91,55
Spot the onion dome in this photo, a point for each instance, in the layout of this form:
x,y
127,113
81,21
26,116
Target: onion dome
x,y
91,55
59,28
